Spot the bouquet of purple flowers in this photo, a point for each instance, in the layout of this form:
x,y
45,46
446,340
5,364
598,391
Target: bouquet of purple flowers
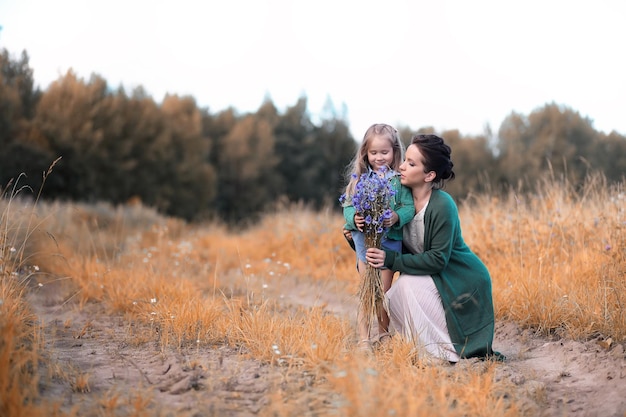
x,y
372,198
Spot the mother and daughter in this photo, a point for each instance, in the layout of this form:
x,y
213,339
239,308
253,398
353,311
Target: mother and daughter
x,y
442,298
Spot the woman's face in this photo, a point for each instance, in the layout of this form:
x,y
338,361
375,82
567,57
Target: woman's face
x,y
380,153
412,169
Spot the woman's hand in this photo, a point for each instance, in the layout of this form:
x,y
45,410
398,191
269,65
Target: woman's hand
x,y
375,257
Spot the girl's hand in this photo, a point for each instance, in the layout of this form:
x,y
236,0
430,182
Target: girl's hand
x,y
375,257
359,220
392,220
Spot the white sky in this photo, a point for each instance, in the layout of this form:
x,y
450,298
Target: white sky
x,y
443,63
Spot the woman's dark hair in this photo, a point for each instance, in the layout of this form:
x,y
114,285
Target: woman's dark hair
x,y
436,156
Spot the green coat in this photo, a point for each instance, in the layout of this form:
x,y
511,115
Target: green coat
x,y
461,278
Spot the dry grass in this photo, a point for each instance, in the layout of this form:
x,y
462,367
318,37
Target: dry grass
x,y
557,260
21,335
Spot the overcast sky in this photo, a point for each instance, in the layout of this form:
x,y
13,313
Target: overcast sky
x,y
443,63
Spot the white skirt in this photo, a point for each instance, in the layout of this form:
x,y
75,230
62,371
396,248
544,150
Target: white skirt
x,y
416,313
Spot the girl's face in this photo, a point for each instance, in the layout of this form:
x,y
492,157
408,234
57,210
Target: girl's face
x,y
412,169
380,153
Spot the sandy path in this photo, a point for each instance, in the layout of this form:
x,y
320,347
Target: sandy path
x,y
563,378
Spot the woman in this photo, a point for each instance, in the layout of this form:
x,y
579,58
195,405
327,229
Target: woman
x,y
442,299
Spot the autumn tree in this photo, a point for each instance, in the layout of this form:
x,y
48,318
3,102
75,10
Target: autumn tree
x,y
609,156
115,147
127,156
294,141
186,181
329,155
473,163
553,138
246,169
23,151
190,163
69,118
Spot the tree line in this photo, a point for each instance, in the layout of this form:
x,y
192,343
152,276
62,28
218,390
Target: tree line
x,y
188,162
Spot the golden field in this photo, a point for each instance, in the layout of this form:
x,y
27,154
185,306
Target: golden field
x,y
275,303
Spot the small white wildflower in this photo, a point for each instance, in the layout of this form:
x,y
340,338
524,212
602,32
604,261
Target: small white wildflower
x,y
248,266
153,300
40,284
35,267
271,273
286,265
13,250
198,341
172,317
153,313
134,303
264,286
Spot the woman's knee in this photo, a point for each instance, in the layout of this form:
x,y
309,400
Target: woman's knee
x,y
401,285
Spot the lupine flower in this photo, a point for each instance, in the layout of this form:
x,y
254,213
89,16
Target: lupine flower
x,y
372,198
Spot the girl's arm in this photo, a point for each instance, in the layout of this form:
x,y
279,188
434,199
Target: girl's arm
x,y
348,215
404,207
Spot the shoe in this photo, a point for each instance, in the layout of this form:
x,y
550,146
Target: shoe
x,y
364,346
384,337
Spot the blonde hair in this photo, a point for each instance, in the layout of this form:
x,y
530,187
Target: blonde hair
x,y
360,165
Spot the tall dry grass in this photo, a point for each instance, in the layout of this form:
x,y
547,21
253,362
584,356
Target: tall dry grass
x,y
557,259
20,330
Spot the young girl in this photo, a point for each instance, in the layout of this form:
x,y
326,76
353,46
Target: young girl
x,y
380,148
